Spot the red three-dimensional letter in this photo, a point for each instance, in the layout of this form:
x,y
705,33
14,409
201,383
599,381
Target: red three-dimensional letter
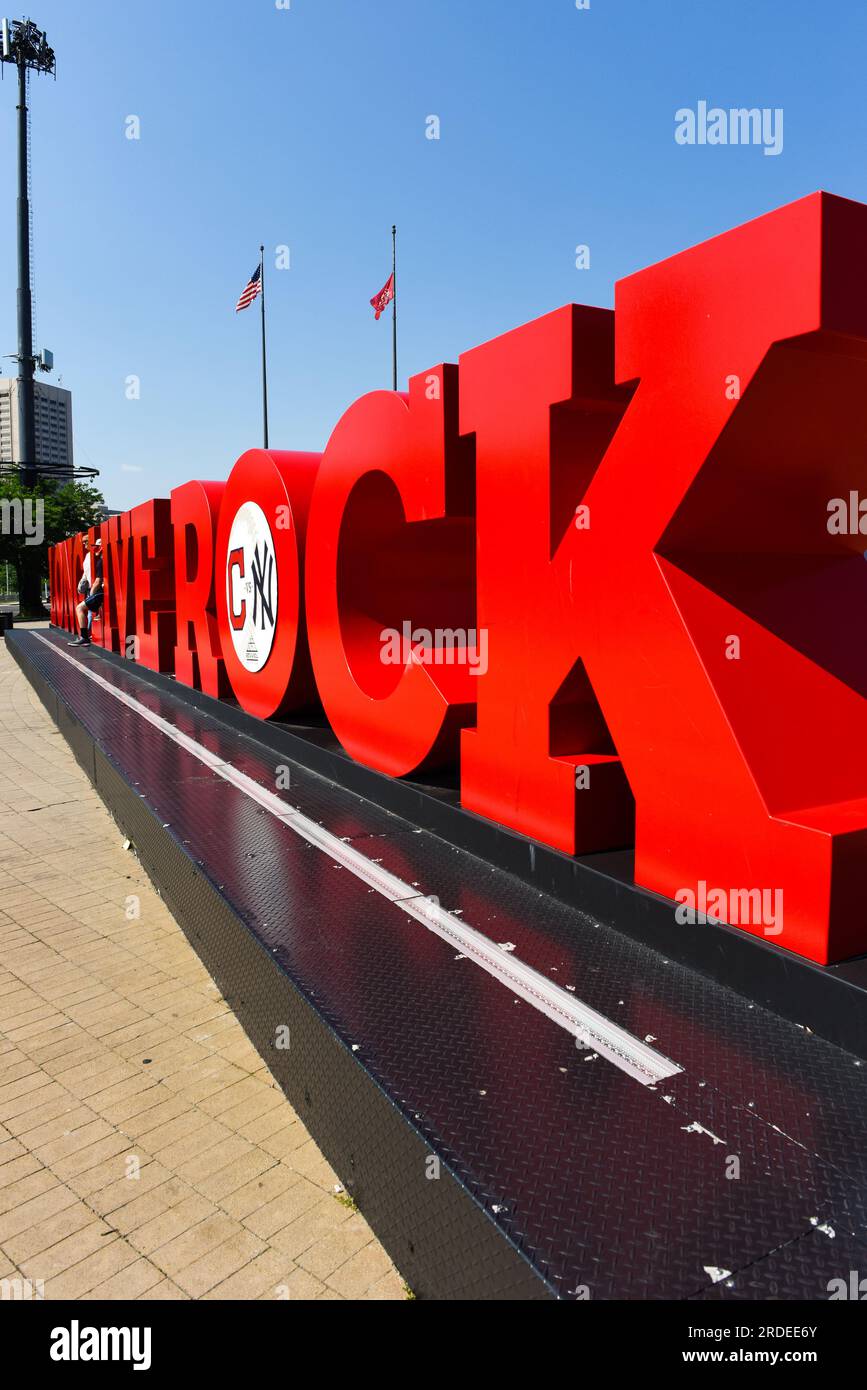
x,y
716,610
54,573
75,571
119,617
746,720
389,577
154,583
198,654
63,595
73,567
100,632
258,579
542,403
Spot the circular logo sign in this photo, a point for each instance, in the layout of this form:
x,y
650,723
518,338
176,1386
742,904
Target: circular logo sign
x,y
251,586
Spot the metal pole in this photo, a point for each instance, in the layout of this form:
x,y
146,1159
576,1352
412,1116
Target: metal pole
x,y
394,307
26,412
264,358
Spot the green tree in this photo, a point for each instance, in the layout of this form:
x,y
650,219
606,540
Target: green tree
x,y
32,519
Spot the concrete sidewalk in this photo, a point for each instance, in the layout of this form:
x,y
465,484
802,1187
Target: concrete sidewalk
x,y
145,1151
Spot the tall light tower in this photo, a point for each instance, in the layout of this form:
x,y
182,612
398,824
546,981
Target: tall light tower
x,y
27,48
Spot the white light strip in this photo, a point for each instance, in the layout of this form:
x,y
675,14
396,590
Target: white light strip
x,y
592,1029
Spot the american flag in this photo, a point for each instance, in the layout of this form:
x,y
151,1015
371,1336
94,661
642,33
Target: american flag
x,y
381,301
251,289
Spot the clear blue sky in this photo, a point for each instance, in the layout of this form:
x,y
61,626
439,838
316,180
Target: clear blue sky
x,y
306,127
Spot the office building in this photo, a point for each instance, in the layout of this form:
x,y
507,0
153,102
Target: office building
x,y
53,427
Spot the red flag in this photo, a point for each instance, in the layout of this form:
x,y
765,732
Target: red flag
x,y
382,300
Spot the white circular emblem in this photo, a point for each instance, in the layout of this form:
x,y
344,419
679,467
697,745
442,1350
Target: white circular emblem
x,y
251,586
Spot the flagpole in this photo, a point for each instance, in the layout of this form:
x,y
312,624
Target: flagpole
x,y
264,356
394,306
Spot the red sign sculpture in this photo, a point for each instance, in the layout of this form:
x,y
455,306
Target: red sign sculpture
x,y
599,566
198,660
259,571
391,544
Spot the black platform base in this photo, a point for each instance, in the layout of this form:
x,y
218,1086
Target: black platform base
x,y
829,1000
493,1156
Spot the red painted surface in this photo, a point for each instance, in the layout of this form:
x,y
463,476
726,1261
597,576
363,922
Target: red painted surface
x,y
64,578
280,484
391,541
537,450
154,583
195,508
119,603
631,509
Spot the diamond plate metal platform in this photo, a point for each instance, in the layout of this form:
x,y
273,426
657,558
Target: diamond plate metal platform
x,y
494,1157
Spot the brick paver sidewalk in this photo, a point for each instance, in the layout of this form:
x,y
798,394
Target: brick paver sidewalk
x,y
145,1151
